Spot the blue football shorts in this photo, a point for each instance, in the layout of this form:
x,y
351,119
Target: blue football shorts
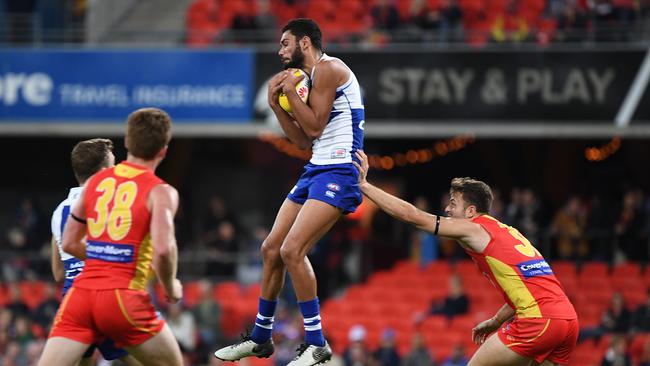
x,y
336,184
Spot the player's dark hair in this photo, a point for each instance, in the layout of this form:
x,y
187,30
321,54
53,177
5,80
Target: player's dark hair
x,y
90,156
475,192
148,131
301,27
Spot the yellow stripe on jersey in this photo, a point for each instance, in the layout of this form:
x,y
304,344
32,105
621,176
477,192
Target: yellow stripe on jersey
x,y
125,171
143,266
515,289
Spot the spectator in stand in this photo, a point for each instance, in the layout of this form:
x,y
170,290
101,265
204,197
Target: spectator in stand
x,y
457,357
207,314
386,354
385,22
223,250
182,324
356,354
630,226
600,230
514,207
220,238
572,20
46,310
616,319
265,20
568,228
615,354
498,207
456,302
426,22
23,331
424,245
385,16
16,305
604,20
419,354
641,316
451,24
216,213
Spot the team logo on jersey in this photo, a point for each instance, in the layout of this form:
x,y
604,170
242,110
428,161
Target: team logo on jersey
x,y
333,187
330,194
534,268
338,154
110,252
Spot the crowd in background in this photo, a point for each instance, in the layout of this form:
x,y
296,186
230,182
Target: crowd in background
x,y
374,23
380,22
219,245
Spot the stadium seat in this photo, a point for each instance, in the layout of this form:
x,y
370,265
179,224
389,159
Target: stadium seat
x,y
627,270
227,289
32,292
594,270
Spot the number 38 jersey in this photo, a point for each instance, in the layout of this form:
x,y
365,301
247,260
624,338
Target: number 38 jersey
x,y
119,250
520,273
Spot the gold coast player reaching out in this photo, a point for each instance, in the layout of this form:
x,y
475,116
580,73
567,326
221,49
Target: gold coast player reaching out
x,y
332,125
542,325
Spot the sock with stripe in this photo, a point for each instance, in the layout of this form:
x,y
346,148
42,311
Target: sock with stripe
x,y
313,331
264,321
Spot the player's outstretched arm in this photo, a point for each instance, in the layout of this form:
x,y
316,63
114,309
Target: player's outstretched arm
x,y
290,127
72,240
313,118
163,202
460,229
56,263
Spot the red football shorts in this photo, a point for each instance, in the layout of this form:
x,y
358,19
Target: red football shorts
x,y
90,316
541,338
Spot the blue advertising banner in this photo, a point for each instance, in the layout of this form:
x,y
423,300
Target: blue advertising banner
x,y
56,85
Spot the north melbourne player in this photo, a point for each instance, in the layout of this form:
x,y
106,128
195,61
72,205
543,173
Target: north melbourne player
x,y
332,125
126,214
537,324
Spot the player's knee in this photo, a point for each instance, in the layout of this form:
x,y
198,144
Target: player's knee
x,y
270,251
290,255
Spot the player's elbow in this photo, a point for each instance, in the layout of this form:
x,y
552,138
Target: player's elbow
x,y
313,134
163,250
58,275
68,246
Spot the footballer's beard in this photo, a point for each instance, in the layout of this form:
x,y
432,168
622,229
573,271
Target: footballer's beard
x,y
297,60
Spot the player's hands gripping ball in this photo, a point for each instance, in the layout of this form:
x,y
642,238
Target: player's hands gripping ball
x,y
302,84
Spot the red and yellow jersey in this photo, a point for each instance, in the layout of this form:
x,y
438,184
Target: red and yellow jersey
x,y
520,273
119,250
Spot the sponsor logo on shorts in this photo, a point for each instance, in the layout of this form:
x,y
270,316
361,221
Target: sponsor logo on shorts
x,y
338,154
330,194
333,187
110,252
534,268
